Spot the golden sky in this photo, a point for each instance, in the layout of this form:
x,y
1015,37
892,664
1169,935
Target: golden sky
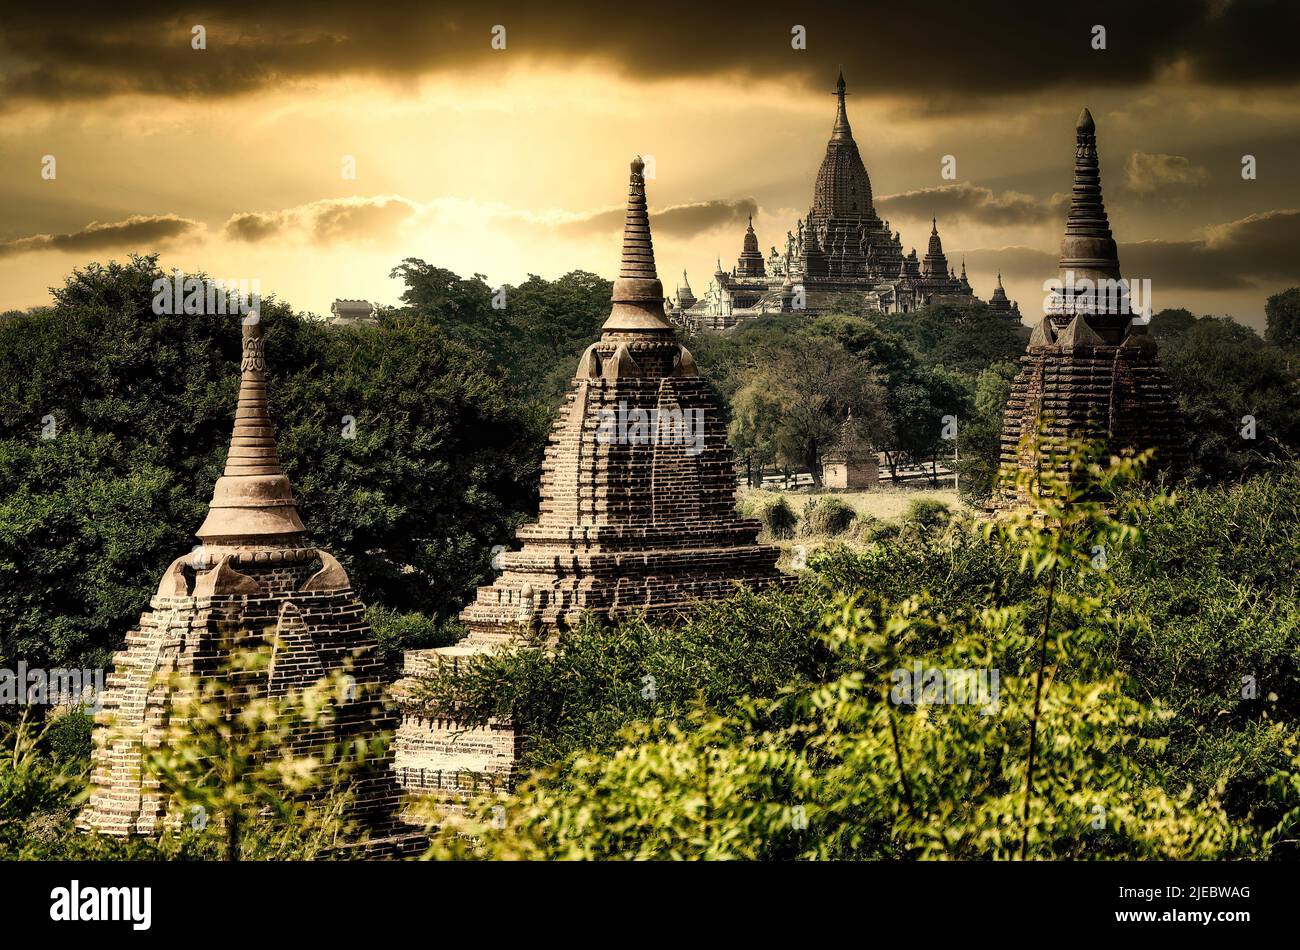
x,y
507,162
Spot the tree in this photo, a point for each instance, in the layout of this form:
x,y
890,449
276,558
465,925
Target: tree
x,y
979,439
1241,401
796,396
410,456
1282,320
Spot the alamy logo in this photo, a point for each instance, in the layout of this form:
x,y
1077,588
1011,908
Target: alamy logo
x,y
636,426
34,686
952,687
103,903
192,296
1106,295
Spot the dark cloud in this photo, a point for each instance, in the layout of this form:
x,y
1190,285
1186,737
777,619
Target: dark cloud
x,y
138,231
684,220
957,52
1147,174
1254,251
253,226
329,221
973,203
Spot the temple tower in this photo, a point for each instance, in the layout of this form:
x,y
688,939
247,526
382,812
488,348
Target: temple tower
x,y
685,296
1090,371
637,516
254,581
750,263
935,263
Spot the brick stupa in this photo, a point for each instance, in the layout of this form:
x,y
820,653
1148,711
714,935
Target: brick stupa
x,y
638,516
1090,372
254,580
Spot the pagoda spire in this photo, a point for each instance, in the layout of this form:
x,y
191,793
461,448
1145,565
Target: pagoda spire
x,y
841,128
253,502
1087,248
638,297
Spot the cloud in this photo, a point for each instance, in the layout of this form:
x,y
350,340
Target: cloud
x,y
1146,173
973,203
683,220
328,221
138,231
1255,251
81,50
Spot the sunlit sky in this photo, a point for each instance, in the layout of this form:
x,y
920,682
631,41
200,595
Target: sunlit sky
x,y
508,162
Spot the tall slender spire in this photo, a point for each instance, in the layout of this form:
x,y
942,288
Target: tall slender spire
x,y
841,128
1088,249
253,501
638,298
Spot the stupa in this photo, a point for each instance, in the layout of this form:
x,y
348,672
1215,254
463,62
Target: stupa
x,y
1090,372
851,463
254,580
637,516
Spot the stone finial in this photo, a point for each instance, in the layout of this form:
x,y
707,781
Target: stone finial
x,y
638,298
253,501
841,129
1088,248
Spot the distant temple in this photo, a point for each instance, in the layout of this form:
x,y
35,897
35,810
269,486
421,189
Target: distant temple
x,y
638,516
351,311
841,255
1091,372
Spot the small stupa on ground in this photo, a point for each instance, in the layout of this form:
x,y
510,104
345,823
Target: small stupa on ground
x,y
851,463
255,580
638,516
1090,372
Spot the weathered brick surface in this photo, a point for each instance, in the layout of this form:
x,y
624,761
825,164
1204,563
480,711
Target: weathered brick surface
x,y
626,525
254,581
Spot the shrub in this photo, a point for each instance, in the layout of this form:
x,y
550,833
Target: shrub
x,y
68,738
779,519
826,516
928,513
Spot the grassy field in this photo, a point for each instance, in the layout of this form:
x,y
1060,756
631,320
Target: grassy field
x,y
886,503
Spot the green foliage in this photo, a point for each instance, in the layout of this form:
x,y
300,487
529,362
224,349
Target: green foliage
x,y
791,380
237,767
1282,320
443,464
396,632
580,692
979,436
927,513
31,788
963,339
67,737
826,516
1079,756
778,518
1222,372
534,339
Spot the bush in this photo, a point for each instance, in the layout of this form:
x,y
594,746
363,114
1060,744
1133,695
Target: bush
x,y
779,519
68,738
928,513
396,631
826,516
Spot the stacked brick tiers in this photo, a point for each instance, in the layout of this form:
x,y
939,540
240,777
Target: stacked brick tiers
x,y
253,581
637,516
1090,373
